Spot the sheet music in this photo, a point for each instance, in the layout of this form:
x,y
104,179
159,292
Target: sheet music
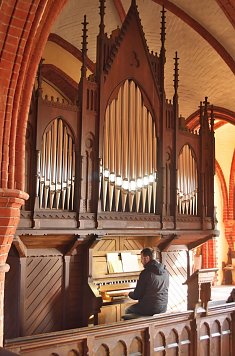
x,y
129,262
114,262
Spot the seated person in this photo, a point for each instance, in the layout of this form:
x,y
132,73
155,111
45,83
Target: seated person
x,y
152,288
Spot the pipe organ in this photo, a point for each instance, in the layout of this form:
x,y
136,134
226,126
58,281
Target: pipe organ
x,y
115,170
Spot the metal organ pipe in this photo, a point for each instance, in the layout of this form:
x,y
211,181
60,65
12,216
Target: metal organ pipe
x,y
187,181
131,130
56,168
131,165
125,141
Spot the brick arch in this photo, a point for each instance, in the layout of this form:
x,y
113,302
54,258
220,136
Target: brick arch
x,y
220,113
224,190
26,30
227,219
209,249
231,208
66,85
231,212
53,37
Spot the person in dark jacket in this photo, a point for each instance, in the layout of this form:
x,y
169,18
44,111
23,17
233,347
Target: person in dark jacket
x,y
152,287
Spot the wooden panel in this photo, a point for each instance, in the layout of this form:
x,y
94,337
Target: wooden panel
x,y
103,350
122,343
159,344
109,314
119,349
215,339
74,303
107,244
226,337
11,299
43,292
138,242
132,243
99,266
49,241
172,345
185,342
204,349
136,347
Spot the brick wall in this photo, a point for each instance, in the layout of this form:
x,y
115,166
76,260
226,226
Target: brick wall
x,y
24,29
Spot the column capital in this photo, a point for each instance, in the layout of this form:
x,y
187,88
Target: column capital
x,y
13,195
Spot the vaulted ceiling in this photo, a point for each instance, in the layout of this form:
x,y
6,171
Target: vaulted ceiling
x,y
202,32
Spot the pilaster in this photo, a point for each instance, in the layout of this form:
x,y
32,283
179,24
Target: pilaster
x,y
11,201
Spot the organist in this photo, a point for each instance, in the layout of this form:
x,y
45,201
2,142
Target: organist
x,y
151,290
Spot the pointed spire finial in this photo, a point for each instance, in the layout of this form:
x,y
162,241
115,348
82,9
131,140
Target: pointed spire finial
x,y
176,73
163,32
205,114
102,13
84,47
206,103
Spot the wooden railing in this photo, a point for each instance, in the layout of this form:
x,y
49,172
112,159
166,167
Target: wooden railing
x,y
210,332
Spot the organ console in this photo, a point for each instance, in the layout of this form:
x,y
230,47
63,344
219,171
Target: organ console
x,y
110,286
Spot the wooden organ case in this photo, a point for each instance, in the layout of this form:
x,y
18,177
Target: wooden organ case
x,y
112,170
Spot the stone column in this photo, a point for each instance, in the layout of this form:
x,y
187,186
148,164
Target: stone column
x,y
11,201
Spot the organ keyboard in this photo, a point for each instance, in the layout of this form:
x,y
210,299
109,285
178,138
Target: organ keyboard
x,y
109,286
116,289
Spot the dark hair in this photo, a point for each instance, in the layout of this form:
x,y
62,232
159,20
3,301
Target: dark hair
x,y
147,251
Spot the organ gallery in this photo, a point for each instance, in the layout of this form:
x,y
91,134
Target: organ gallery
x,y
109,173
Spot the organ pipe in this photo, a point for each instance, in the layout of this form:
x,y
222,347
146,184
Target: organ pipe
x,y
125,142
187,182
56,168
129,152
